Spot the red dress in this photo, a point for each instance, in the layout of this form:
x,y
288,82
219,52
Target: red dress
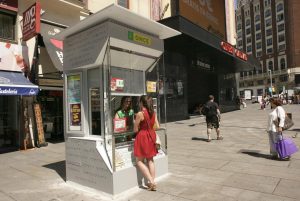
x,y
144,144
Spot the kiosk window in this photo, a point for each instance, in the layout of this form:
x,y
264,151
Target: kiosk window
x,y
95,106
74,102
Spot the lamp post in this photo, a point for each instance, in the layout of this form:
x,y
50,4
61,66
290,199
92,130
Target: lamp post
x,y
270,71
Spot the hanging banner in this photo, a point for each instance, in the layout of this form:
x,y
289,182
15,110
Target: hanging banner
x,y
31,21
13,57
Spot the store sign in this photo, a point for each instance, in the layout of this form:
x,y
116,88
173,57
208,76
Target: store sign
x,y
139,38
31,21
208,14
231,50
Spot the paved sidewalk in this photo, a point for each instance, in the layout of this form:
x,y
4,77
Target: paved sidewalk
x,y
236,168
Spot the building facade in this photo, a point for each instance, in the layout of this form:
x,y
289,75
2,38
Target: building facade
x,y
267,29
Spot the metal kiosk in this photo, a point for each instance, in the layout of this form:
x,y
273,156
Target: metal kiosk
x,y
113,53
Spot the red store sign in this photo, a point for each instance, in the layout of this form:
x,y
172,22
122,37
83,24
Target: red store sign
x,y
231,50
31,21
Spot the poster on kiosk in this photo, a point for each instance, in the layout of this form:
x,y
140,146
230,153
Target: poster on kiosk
x,y
110,59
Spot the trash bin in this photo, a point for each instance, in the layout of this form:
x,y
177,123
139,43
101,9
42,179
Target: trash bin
x,y
289,115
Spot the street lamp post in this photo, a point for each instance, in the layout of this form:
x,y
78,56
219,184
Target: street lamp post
x,y
270,71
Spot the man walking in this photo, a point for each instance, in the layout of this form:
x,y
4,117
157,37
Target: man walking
x,y
212,113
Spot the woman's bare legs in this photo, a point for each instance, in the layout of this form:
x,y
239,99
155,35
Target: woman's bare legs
x,y
144,169
151,167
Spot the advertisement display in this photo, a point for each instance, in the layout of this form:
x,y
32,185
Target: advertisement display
x,y
13,57
31,21
74,101
208,14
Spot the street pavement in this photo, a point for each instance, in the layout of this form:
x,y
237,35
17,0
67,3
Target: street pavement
x,y
235,168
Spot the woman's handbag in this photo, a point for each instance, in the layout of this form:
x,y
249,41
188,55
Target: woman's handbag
x,y
285,147
288,122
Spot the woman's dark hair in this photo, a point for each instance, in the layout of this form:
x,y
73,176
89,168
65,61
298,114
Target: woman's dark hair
x,y
147,102
122,102
276,101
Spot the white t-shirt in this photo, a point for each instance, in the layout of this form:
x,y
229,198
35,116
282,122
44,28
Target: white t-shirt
x,y
277,112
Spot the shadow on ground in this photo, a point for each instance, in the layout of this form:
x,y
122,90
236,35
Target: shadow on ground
x,y
255,153
59,167
199,138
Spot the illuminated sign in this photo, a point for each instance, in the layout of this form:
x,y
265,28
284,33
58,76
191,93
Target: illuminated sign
x,y
139,38
231,50
31,21
208,14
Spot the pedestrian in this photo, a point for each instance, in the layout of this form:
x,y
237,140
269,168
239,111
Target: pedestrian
x,y
275,125
144,144
213,117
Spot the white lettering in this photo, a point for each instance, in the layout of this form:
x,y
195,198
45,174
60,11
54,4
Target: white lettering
x,y
60,55
8,91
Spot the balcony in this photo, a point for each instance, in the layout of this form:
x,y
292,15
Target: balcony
x,y
264,75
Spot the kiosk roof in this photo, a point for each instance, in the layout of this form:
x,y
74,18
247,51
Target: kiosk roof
x,y
124,16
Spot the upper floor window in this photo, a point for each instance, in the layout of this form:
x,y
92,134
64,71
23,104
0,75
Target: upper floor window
x,y
269,32
7,26
279,7
270,65
239,26
257,18
258,36
268,22
258,45
248,31
280,27
269,41
247,22
282,63
257,27
123,3
249,40
281,38
268,13
280,17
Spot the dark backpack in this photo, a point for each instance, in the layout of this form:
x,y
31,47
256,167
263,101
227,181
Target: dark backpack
x,y
208,111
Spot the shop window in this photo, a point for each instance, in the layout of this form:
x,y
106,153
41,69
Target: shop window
x,y
7,26
123,3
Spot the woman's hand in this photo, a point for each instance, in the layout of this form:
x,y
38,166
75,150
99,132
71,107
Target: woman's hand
x,y
279,129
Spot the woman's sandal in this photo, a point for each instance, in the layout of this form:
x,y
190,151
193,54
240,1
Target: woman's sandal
x,y
151,187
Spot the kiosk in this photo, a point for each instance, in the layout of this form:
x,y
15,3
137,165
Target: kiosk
x,y
112,54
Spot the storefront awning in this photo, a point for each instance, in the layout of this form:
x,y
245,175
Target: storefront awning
x,y
13,83
53,46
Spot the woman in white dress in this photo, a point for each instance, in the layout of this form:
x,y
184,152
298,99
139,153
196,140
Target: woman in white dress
x,y
275,124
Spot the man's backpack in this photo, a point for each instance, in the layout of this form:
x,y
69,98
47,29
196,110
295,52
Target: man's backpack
x,y
208,111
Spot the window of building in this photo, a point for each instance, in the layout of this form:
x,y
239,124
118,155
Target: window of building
x,y
280,17
239,26
281,47
123,3
7,26
248,31
257,18
268,13
282,63
249,40
260,82
283,78
240,43
281,38
269,50
269,32
258,54
269,41
241,74
257,27
280,27
279,7
258,45
260,92
270,65
268,22
248,22
239,34
258,36
249,48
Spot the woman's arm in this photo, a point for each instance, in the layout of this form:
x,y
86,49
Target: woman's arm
x,y
156,123
281,116
139,117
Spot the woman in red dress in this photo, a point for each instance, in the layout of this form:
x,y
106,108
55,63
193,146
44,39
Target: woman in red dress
x,y
144,144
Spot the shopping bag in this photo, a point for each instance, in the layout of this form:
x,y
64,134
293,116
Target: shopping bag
x,y
285,147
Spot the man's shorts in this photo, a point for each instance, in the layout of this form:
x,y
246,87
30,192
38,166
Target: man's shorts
x,y
212,122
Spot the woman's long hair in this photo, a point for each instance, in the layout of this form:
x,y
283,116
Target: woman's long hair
x,y
147,102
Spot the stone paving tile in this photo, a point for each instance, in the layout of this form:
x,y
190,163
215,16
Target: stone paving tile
x,y
288,188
